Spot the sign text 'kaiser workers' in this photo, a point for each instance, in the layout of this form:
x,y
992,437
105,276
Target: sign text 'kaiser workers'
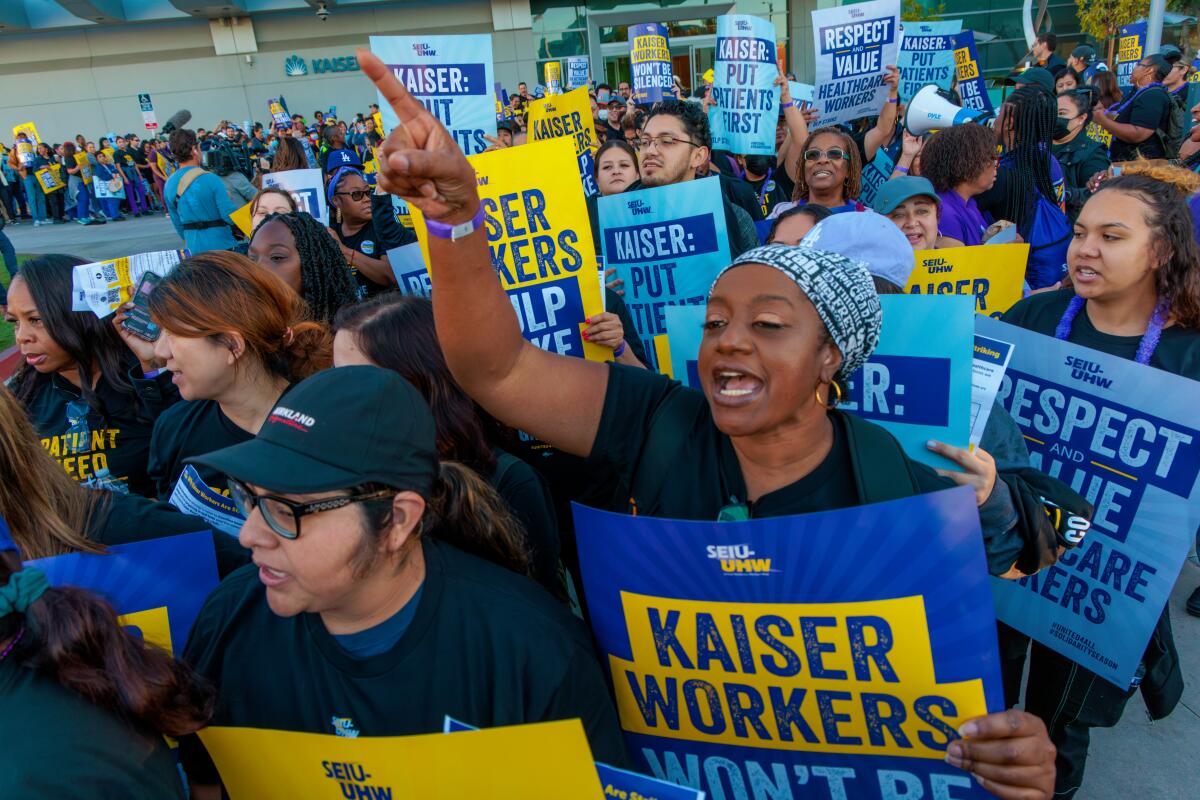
x,y
797,656
1125,437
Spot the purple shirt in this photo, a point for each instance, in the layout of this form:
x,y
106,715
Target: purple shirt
x,y
960,219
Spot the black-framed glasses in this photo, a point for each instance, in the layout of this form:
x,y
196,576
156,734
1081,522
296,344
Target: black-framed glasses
x,y
358,195
283,516
833,154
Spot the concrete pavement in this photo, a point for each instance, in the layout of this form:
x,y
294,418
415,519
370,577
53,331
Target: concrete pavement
x,y
96,242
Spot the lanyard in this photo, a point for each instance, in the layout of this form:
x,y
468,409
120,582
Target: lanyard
x,y
767,187
1117,108
1149,340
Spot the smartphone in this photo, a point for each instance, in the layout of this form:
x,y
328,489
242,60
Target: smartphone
x,y
138,321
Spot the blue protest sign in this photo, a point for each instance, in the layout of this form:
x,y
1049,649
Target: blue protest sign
x,y
802,93
408,265
157,586
749,658
972,88
853,46
1124,436
649,63
925,396
1129,53
451,75
743,120
926,55
685,328
875,173
667,244
578,69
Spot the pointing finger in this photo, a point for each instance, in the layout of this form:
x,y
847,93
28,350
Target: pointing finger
x,y
404,104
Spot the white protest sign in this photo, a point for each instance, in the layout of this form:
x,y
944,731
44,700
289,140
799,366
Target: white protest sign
x,y
853,46
307,188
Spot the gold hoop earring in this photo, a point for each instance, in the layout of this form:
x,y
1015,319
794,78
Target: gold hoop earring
x,y
835,390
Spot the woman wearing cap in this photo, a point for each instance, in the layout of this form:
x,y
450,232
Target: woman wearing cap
x,y
92,389
302,252
762,439
366,228
363,612
912,204
234,337
86,703
1135,275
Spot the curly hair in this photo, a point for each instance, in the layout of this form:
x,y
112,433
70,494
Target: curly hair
x,y
1184,180
326,282
853,185
957,155
1170,223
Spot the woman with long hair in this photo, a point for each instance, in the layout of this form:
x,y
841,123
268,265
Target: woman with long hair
x,y
234,337
1135,293
396,332
92,389
86,703
1025,126
1108,92
616,166
302,252
828,174
289,155
272,200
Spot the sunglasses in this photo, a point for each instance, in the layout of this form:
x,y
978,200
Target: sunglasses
x,y
358,195
833,154
282,515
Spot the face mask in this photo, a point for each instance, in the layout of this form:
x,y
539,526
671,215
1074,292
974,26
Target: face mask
x,y
603,115
759,164
1061,129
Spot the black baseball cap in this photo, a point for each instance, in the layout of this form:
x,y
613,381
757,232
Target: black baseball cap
x,y
1034,76
1085,53
338,429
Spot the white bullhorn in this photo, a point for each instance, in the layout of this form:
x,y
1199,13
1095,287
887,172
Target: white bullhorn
x,y
929,110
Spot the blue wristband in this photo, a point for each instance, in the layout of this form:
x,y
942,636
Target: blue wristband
x,y
620,351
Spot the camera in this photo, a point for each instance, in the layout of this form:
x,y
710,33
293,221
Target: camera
x,y
322,12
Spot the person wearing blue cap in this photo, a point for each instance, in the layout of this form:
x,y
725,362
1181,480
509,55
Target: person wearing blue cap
x,y
912,204
364,223
85,704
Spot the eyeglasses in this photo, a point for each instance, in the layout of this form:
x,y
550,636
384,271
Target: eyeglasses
x,y
283,515
832,154
357,195
662,142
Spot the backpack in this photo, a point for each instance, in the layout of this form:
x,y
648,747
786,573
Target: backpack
x,y
1048,234
1177,127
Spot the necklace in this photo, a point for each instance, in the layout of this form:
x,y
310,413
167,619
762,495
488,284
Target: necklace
x,y
12,644
1150,338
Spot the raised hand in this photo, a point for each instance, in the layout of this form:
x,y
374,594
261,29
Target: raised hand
x,y
419,161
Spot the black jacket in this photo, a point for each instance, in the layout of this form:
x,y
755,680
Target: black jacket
x,y
1080,159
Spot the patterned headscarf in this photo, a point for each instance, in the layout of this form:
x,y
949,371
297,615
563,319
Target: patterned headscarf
x,y
840,289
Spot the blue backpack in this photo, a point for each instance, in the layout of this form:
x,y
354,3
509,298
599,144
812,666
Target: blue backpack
x,y
1049,235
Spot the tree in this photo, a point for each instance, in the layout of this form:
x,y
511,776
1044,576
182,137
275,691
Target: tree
x,y
917,11
1102,19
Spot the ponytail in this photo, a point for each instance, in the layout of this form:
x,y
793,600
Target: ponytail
x,y
74,636
307,349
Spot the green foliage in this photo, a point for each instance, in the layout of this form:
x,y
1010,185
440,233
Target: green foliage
x,y
917,11
1101,19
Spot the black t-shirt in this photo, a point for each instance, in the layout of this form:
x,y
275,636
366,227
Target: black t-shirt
x,y
125,518
187,430
486,646
529,500
365,241
58,745
118,434
1150,108
771,190
1178,350
138,157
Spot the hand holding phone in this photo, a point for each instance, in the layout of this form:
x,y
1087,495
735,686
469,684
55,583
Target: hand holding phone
x,y
137,318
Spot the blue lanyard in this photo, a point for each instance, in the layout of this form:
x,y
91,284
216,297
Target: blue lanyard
x,y
1119,107
762,196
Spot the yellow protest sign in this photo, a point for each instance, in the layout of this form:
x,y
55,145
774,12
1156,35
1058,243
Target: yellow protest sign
x,y
243,219
540,239
545,761
50,178
994,274
27,128
568,116
662,351
85,167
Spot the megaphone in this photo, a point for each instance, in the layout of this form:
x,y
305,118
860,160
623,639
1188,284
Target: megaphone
x,y
931,110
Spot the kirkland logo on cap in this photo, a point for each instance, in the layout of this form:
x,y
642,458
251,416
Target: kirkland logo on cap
x,y
301,422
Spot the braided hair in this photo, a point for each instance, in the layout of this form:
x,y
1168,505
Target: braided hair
x,y
325,279
1030,115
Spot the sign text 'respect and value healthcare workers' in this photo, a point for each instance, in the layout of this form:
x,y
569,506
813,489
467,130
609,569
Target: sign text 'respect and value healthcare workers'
x,y
452,76
649,63
747,99
926,55
854,44
1124,436
667,244
797,657
540,241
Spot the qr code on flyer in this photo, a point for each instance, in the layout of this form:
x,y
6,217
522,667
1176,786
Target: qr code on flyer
x,y
113,297
110,272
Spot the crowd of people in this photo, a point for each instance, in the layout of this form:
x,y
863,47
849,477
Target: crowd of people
x,y
406,553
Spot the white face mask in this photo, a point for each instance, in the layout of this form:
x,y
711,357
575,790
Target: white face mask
x,y
604,115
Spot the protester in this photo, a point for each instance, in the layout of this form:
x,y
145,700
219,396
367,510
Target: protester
x,y
616,167
396,332
153,171
196,199
289,155
273,200
1081,157
126,160
77,185
1135,294
961,164
1083,61
301,251
107,172
912,204
830,173
1043,51
872,240
1139,123
357,537
1068,80
794,224
27,174
91,388
612,118
234,338
360,214
87,702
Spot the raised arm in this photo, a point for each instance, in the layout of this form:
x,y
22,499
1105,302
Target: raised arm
x,y
789,155
555,398
885,125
